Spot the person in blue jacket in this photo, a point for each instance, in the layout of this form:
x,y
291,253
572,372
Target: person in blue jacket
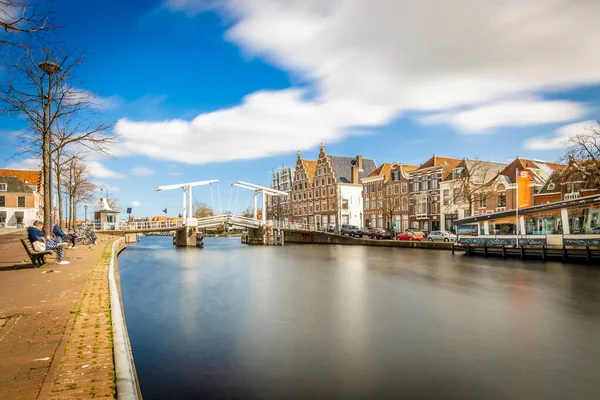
x,y
35,234
65,237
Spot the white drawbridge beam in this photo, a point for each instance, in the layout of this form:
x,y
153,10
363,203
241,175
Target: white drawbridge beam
x,y
264,191
186,209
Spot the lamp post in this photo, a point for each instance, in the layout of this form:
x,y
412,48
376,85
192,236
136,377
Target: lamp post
x,y
85,207
49,69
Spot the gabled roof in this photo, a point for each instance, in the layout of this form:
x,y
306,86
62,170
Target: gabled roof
x,y
30,177
544,169
436,161
481,170
14,185
342,168
384,169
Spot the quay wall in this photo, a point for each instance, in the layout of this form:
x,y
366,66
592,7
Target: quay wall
x,y
311,237
128,387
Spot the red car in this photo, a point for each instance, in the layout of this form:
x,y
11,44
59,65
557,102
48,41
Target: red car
x,y
410,235
378,234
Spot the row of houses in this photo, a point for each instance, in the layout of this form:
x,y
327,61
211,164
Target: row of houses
x,y
334,190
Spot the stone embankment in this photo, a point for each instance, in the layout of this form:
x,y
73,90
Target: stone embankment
x,y
301,236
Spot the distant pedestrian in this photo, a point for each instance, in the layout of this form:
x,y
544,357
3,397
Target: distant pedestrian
x,y
35,234
71,237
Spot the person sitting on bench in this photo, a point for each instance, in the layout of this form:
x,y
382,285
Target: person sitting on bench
x,y
65,237
35,234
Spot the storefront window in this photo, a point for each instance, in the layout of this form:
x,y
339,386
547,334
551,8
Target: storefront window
x,y
545,224
584,221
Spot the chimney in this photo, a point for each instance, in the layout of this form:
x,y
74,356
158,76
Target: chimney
x,y
359,163
355,174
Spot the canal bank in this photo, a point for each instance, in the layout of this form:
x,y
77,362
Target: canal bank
x,y
56,333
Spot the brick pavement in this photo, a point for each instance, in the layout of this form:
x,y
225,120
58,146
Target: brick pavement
x,y
55,328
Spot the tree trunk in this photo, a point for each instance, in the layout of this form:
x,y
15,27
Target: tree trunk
x,y
58,191
47,188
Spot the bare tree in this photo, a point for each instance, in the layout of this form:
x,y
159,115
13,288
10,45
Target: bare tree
x,y
584,150
472,182
202,210
20,19
40,88
391,204
78,186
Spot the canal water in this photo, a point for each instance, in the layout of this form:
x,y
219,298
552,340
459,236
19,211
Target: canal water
x,y
352,322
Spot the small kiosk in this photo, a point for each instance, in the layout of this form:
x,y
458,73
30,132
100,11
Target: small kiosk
x,y
105,218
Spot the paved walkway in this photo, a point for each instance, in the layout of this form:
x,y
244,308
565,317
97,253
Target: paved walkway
x,y
55,327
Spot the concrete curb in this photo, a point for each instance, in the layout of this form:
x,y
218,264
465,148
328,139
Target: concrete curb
x,y
124,369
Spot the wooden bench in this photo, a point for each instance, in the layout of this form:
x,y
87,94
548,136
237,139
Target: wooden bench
x,y
37,257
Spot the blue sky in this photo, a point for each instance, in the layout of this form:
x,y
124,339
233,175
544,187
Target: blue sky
x,y
228,90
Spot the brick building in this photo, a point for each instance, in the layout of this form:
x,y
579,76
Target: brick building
x,y
19,204
577,179
328,190
386,197
425,193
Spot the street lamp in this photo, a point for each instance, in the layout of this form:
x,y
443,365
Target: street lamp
x,y
85,207
49,69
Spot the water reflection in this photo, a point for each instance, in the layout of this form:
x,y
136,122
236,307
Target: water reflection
x,y
232,321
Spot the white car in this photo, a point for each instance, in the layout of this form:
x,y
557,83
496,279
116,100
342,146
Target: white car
x,y
441,236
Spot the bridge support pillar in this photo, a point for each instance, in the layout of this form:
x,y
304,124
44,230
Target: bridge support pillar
x,y
256,236
186,237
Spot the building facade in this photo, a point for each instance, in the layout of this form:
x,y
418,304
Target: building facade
x,y
19,204
327,191
386,197
278,207
425,192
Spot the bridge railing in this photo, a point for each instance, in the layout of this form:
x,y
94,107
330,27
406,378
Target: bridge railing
x,y
140,225
295,225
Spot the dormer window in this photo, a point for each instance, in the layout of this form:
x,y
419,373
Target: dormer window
x,y
457,173
551,186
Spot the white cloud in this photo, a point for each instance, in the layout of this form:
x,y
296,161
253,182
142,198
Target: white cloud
x,y
560,137
135,204
509,113
142,171
366,62
97,170
28,163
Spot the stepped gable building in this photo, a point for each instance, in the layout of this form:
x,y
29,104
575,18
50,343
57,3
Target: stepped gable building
x,y
386,197
19,204
425,193
328,191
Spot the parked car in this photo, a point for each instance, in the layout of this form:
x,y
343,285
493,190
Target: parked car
x,y
410,235
441,236
360,232
379,234
347,229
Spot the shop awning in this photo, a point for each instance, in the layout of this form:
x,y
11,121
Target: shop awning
x,y
19,214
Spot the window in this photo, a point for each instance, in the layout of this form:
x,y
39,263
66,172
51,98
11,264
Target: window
x,y
446,195
367,203
2,201
404,187
304,210
388,190
482,201
425,183
435,207
404,204
456,194
323,181
305,185
380,221
329,180
344,204
3,187
316,192
323,192
317,206
415,184
501,199
379,202
331,191
379,186
372,187
304,196
310,194
396,203
434,182
324,205
396,188
457,173
316,182
310,207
